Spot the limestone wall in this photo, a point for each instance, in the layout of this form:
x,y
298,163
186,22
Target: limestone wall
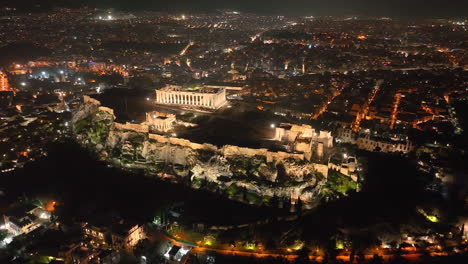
x,y
322,168
182,142
229,151
106,109
279,156
132,127
89,100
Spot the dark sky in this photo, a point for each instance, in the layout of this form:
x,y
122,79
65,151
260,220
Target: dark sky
x,y
420,8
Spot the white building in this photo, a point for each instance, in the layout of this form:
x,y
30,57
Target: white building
x,y
160,121
23,222
369,143
202,97
304,138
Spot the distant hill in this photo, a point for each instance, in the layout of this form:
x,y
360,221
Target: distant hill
x,y
40,5
21,52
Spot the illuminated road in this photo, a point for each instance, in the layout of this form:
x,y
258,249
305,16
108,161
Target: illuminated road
x,y
365,107
191,43
393,116
344,256
328,102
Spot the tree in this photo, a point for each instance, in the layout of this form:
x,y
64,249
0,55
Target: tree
x,y
3,234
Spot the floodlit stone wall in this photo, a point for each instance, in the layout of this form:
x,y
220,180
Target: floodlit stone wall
x,y
182,142
132,127
322,168
90,100
107,110
230,151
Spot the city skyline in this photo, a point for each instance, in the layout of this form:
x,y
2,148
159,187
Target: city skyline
x,y
392,8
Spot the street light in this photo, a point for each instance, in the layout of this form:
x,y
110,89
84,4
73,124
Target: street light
x,y
272,125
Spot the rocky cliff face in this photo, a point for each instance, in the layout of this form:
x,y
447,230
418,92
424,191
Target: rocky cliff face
x,y
253,178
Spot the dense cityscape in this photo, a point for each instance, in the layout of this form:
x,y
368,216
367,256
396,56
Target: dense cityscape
x,y
228,136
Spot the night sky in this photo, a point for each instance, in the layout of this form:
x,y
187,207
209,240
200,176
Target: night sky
x,y
404,8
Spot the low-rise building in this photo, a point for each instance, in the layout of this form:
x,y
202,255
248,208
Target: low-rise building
x,y
117,236
160,121
366,141
304,138
23,220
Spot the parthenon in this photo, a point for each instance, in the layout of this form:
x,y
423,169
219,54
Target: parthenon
x,y
203,97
